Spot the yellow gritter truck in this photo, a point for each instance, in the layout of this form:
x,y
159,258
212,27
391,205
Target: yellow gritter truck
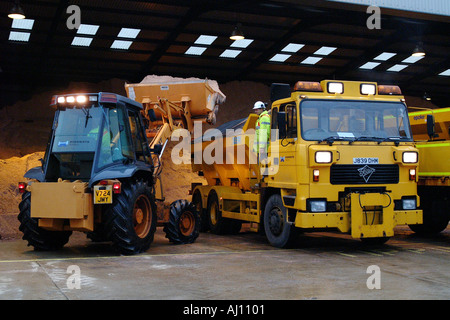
x,y
431,130
341,157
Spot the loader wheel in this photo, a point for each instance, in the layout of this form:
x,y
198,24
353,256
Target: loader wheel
x,y
278,231
40,239
184,223
130,222
218,224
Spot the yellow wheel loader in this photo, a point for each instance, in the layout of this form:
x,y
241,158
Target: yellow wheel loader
x,y
100,175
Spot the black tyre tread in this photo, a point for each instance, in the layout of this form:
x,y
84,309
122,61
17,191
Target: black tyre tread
x,y
172,229
118,224
204,225
289,233
40,239
223,225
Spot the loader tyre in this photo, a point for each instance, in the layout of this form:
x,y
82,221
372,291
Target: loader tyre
x,y
40,239
184,223
130,222
278,231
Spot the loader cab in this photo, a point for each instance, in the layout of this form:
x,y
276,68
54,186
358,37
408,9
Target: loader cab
x,y
92,133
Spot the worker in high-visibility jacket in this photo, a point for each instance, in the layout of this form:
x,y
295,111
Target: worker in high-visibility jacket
x,y
262,130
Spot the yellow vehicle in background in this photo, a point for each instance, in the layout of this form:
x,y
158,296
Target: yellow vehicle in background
x,y
431,130
341,157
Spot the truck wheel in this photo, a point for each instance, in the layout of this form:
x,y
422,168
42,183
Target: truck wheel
x,y
278,231
218,224
197,201
40,239
130,222
184,223
436,214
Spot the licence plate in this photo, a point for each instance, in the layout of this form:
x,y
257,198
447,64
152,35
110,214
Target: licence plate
x,y
103,194
365,161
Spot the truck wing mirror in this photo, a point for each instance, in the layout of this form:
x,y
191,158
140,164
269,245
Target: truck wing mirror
x,y
281,122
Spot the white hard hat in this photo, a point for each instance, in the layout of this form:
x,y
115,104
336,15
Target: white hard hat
x,y
259,105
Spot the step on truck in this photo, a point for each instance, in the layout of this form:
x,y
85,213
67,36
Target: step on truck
x,y
100,175
341,157
431,131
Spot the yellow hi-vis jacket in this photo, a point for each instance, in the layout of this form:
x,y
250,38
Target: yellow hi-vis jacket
x,y
262,133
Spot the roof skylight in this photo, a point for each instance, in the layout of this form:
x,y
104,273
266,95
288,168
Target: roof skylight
x,y
19,36
324,51
397,67
25,24
370,65
412,59
230,53
243,43
445,73
196,51
205,40
384,56
87,29
129,33
292,47
121,44
81,41
311,60
279,57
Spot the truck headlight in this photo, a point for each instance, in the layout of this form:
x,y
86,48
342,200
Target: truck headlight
x,y
323,156
410,157
318,205
409,204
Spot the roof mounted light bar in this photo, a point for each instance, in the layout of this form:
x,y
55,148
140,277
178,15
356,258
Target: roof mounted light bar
x,y
308,86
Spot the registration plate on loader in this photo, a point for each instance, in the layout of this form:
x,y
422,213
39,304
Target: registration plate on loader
x,y
103,194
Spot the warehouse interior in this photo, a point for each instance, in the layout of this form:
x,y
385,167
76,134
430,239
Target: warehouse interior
x,y
72,46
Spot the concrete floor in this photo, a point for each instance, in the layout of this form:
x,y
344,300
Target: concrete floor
x,y
322,266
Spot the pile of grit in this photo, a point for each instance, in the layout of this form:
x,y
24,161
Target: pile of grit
x,y
25,127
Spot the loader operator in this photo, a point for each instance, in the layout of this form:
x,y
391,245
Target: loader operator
x,y
262,130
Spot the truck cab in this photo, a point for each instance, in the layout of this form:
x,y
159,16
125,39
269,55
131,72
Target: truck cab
x,y
343,138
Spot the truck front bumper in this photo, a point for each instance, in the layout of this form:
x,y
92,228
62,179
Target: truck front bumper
x,y
369,217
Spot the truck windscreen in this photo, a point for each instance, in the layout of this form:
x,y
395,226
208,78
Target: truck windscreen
x,y
354,120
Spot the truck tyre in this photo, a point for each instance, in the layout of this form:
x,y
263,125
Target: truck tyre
x,y
279,232
40,239
130,222
436,212
184,222
198,203
218,224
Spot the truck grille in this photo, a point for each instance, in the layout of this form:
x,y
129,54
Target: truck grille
x,y
364,174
